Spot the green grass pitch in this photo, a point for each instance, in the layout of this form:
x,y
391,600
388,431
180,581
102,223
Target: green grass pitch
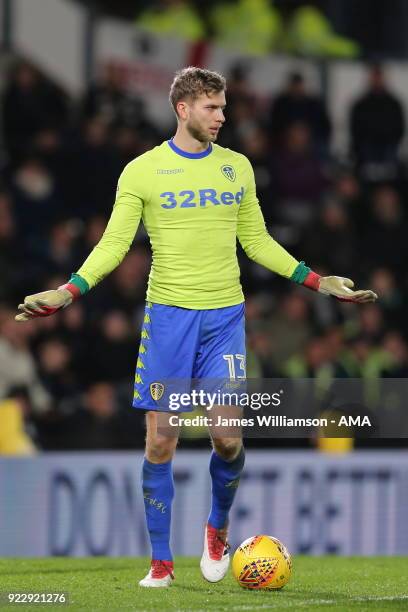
x,y
318,583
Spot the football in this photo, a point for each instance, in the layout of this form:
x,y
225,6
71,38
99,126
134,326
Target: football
x,y
262,562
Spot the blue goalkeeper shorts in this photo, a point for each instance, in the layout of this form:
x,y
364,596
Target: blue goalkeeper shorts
x,y
179,346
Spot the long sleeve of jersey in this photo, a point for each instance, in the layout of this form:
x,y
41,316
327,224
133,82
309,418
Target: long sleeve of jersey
x,y
120,230
255,239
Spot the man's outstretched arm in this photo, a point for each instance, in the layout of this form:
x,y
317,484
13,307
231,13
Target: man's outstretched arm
x,y
105,257
262,248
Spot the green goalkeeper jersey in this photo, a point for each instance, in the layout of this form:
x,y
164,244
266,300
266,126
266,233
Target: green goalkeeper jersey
x,y
194,207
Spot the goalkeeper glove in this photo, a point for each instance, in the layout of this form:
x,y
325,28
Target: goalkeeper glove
x,y
337,286
47,302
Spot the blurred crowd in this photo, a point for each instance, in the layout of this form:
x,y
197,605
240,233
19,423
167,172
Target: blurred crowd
x,y
66,380
252,27
318,28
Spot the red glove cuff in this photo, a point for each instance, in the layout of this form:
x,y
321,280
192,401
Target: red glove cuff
x,y
76,292
312,281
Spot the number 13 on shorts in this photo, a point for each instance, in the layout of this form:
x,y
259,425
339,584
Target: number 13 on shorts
x,y
236,365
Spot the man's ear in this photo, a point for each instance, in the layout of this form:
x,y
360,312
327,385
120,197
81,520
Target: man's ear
x,y
182,110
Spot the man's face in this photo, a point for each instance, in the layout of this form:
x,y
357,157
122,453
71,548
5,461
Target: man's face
x,y
377,79
204,116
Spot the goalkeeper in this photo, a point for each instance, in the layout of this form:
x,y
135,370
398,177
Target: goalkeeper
x,y
195,199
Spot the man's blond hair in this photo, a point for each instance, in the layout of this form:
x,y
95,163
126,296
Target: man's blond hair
x,y
191,82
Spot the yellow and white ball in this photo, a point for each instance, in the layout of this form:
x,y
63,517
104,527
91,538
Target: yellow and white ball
x,y
262,562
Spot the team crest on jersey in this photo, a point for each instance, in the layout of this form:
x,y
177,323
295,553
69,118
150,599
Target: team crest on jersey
x,y
156,390
229,172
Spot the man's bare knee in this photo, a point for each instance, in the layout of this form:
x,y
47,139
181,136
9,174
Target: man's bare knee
x,y
160,450
227,448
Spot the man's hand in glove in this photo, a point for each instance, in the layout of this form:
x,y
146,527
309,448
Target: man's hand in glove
x,y
47,302
342,289
339,287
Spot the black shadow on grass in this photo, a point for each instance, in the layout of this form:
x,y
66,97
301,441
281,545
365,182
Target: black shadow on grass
x,y
224,589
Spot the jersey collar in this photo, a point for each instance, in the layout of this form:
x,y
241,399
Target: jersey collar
x,y
179,151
